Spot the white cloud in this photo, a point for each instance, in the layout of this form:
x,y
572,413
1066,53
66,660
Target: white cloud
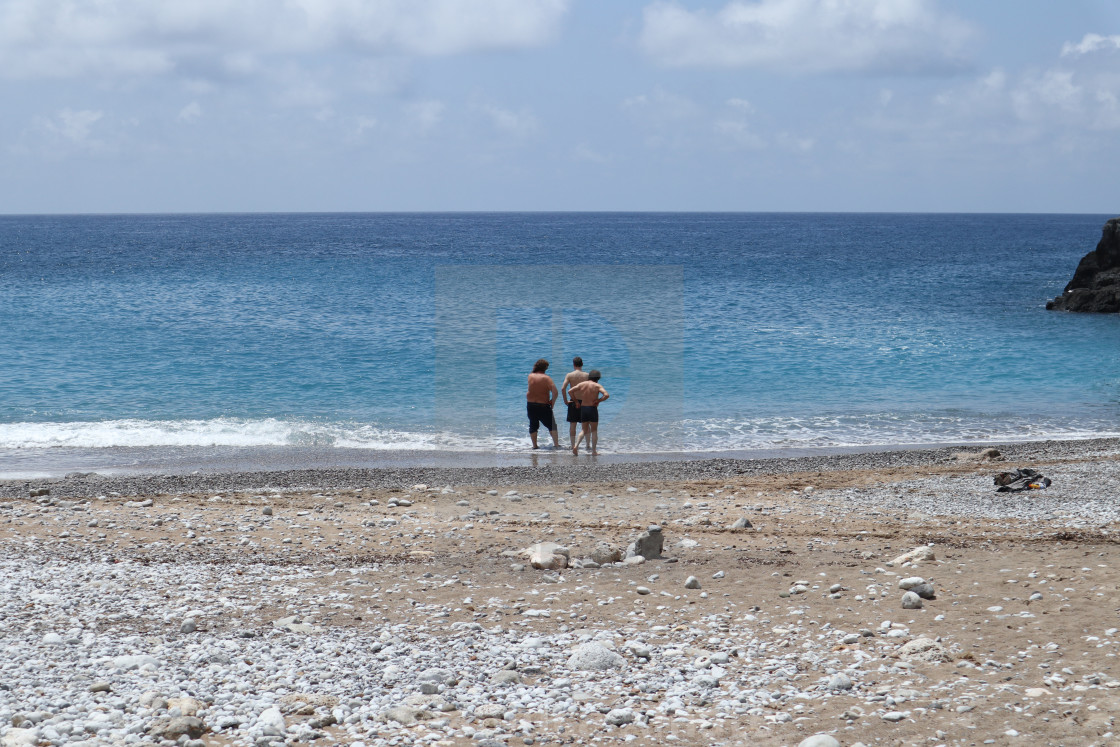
x,y
520,124
662,106
73,126
75,38
190,112
1091,43
584,152
425,116
806,36
738,133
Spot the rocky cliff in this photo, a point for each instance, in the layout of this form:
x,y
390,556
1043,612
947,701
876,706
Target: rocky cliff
x,y
1096,283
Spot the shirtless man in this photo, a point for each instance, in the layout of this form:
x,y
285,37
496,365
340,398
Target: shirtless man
x,y
590,393
540,399
578,376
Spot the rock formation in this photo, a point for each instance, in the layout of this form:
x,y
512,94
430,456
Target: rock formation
x,y
1096,283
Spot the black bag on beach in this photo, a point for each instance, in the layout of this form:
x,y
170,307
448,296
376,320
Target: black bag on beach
x,y
1021,479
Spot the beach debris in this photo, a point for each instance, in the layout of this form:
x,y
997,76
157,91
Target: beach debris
x,y
1020,480
294,624
648,545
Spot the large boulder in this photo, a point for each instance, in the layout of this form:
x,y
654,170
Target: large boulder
x,y
1095,286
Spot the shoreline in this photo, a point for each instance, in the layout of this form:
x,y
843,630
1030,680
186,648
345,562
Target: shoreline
x,y
550,467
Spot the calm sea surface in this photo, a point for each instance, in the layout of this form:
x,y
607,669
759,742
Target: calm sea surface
x,y
126,337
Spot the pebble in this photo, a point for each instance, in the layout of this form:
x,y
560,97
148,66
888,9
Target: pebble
x,y
692,583
620,717
911,601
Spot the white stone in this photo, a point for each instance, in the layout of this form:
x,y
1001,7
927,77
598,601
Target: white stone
x,y
819,740
592,657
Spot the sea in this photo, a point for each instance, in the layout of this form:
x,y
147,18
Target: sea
x,y
133,343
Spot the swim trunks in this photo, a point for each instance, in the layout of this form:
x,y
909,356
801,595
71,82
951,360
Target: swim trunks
x,y
540,413
589,414
573,411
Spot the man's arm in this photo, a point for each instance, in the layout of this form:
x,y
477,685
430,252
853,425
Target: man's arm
x,y
553,394
564,389
604,396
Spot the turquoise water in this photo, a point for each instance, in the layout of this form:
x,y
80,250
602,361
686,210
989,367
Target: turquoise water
x,y
320,331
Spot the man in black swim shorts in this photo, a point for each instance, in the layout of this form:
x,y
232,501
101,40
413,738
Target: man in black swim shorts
x,y
541,397
577,376
590,393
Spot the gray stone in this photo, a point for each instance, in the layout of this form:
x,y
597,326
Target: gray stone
x,y
839,681
648,545
911,601
267,511
692,583
188,626
742,523
918,585
603,554
401,714
505,677
620,717
178,726
439,676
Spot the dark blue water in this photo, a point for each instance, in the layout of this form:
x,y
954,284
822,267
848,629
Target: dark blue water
x,y
321,330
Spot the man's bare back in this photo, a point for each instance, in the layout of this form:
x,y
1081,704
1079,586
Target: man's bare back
x,y
541,388
574,377
587,393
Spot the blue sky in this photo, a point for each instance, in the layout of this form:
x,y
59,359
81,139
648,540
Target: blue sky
x,y
382,105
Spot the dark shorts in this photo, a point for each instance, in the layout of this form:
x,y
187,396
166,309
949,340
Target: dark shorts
x,y
573,412
589,414
540,414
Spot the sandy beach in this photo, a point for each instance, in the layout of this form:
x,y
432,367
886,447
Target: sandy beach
x,y
394,606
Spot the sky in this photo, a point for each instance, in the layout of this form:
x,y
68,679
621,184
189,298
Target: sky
x,y
138,106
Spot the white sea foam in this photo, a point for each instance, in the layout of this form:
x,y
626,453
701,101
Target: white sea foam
x,y
216,432
760,433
